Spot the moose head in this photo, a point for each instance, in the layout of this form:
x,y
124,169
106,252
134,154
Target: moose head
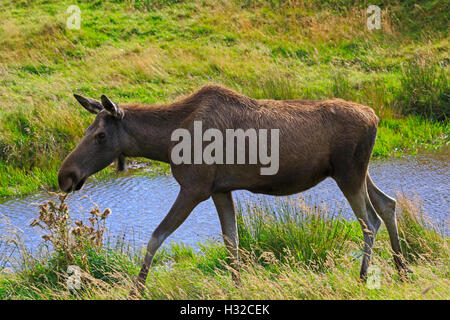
x,y
103,142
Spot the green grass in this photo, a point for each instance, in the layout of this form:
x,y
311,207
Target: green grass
x,y
308,233
288,251
425,90
410,135
158,51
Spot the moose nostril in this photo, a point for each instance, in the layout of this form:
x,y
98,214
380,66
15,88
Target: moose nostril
x,y
65,184
66,180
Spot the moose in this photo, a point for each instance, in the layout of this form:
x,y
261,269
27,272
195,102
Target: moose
x,y
317,139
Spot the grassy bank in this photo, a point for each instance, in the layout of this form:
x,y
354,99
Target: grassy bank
x,y
157,51
288,251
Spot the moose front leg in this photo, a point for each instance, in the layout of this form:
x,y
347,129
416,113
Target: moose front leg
x,y
227,216
183,206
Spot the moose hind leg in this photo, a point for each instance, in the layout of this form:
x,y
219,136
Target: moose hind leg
x,y
385,207
367,217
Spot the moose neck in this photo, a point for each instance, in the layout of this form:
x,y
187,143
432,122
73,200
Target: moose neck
x,y
149,129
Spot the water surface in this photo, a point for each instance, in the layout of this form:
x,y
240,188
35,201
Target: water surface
x,y
140,202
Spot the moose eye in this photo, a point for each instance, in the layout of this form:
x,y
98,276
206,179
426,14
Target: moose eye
x,y
101,136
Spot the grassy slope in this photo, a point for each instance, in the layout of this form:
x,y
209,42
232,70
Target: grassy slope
x,y
140,53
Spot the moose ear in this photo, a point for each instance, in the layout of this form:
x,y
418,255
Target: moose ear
x,y
113,108
91,105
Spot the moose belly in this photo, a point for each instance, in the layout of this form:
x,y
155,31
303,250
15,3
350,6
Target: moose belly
x,y
283,183
287,186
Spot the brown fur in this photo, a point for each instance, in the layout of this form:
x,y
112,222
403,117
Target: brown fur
x,y
318,139
313,136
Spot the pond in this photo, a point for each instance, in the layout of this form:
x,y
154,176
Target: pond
x,y
140,202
